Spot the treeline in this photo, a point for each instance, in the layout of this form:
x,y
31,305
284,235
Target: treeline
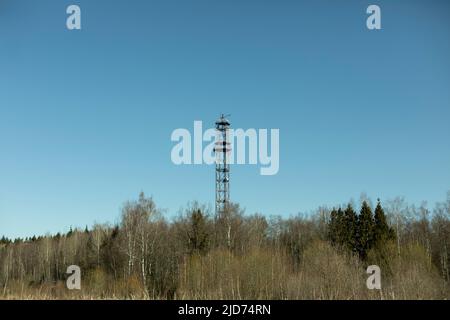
x,y
235,256
360,233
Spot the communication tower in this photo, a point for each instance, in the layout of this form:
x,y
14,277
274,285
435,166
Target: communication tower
x,y
222,152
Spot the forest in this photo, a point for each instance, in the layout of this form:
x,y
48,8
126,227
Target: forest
x,y
198,255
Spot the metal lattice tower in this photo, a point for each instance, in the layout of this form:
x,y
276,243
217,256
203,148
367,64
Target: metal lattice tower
x,y
222,151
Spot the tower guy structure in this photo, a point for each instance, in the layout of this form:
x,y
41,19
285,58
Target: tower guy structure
x,y
222,151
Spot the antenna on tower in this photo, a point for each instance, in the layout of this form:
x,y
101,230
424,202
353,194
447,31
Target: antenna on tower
x,y
222,150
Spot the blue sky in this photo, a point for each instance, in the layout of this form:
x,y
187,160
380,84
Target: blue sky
x,y
86,116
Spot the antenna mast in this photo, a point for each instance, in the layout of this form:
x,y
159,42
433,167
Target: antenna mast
x,y
222,151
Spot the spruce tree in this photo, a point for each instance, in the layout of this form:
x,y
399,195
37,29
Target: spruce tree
x,y
332,227
338,231
365,230
198,234
341,230
351,228
382,232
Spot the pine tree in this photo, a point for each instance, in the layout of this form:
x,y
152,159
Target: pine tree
x,y
365,230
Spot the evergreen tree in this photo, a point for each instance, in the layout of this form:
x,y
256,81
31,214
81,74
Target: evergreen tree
x,y
332,227
341,228
337,231
351,228
382,232
365,230
198,235
70,232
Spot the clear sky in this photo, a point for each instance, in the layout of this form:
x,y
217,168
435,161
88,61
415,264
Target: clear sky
x,y
86,116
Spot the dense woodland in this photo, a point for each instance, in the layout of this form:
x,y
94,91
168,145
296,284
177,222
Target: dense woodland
x,y
322,255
